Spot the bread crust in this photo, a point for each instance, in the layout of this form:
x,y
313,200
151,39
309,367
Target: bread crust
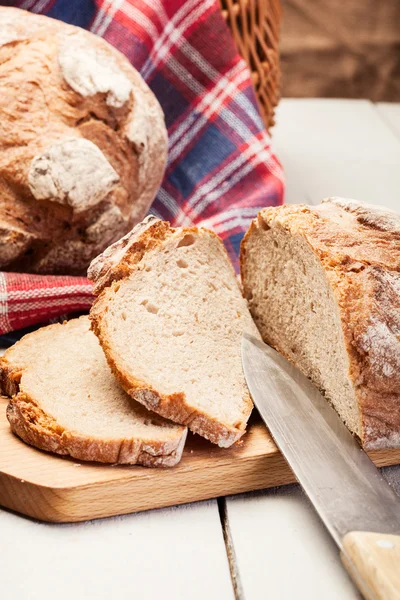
x,y
39,429
117,262
83,145
358,247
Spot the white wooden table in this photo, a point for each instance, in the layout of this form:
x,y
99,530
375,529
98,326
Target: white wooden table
x,y
277,547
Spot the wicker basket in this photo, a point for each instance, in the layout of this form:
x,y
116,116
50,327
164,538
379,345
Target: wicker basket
x,y
255,26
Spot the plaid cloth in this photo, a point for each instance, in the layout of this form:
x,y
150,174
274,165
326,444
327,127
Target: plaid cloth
x,y
221,170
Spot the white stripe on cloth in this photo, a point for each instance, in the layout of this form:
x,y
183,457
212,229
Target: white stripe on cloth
x,y
174,31
242,223
35,6
67,290
172,206
228,219
100,15
35,307
104,17
139,17
27,4
4,320
159,10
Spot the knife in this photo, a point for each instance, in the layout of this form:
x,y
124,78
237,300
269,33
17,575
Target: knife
x,y
358,507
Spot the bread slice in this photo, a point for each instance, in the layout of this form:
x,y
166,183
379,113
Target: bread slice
x,y
66,400
170,316
323,285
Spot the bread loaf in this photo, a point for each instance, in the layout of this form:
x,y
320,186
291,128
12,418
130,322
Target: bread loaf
x,y
64,399
323,286
170,317
83,145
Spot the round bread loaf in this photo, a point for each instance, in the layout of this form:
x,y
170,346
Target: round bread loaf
x,y
83,145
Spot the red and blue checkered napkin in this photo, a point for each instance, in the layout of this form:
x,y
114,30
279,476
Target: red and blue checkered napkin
x,y
221,169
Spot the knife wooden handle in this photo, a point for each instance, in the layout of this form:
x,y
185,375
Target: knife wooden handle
x,y
373,559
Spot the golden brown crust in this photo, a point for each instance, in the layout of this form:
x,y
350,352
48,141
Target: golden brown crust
x,y
114,264
37,429
49,224
118,260
29,422
359,248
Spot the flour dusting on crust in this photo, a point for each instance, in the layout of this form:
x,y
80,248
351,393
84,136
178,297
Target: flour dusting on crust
x,y
89,71
369,215
383,348
392,440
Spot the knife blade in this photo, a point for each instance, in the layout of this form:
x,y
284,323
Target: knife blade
x,y
356,504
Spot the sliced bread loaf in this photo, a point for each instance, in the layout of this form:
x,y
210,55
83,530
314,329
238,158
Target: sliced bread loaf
x,y
64,399
323,285
170,317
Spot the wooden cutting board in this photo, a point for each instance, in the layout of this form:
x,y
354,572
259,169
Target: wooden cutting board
x,y
52,488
